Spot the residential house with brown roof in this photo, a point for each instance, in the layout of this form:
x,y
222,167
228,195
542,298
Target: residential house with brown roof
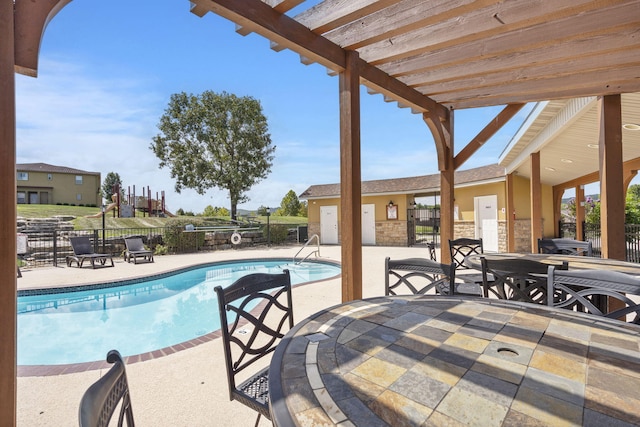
x,y
480,208
41,183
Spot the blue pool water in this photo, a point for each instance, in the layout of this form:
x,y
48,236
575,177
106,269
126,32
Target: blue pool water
x,y
81,326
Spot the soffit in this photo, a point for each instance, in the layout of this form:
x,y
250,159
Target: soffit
x,y
576,141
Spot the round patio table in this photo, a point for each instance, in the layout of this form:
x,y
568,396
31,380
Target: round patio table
x,y
575,262
433,360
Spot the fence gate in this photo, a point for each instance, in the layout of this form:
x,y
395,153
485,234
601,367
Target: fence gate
x,y
423,226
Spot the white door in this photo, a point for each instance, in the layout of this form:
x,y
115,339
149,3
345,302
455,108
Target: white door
x,y
368,224
486,218
329,225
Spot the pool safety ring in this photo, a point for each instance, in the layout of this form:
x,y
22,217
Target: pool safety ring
x,y
236,238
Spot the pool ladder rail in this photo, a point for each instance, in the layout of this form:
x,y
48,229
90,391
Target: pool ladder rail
x,y
316,251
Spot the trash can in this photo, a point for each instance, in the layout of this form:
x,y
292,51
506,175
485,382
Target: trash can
x,y
303,233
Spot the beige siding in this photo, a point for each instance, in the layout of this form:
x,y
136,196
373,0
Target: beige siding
x,y
60,188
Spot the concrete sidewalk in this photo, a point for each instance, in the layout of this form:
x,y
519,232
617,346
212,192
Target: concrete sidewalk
x,y
187,388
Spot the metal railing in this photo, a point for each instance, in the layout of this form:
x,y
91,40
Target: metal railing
x,y
592,233
307,243
51,247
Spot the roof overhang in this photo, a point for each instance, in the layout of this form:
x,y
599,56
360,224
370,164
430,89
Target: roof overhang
x,y
566,133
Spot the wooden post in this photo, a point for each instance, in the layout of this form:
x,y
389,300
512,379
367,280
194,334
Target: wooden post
x,y
442,131
511,215
580,210
350,180
611,178
536,202
8,215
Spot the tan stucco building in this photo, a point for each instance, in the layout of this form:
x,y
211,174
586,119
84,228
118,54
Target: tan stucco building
x,y
40,183
480,208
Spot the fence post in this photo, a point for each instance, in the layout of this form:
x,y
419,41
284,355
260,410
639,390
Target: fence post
x,y
55,248
95,241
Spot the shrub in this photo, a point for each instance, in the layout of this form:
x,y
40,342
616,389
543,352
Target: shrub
x,y
279,233
161,250
177,240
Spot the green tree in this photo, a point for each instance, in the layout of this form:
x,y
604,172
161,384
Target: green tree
x,y
290,205
209,211
110,181
304,209
632,205
215,140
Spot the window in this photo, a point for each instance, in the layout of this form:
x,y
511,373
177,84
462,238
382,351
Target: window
x,y
49,176
22,197
23,176
78,196
78,179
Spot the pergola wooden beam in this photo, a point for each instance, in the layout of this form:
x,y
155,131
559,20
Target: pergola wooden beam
x,y
332,14
530,60
258,17
402,16
485,134
483,26
31,18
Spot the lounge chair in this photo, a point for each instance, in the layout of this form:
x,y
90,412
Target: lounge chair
x,y
135,249
83,251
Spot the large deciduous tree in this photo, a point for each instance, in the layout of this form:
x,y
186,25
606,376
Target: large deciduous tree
x,y
215,140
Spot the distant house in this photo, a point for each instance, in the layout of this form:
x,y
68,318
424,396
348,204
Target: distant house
x,y
40,183
480,208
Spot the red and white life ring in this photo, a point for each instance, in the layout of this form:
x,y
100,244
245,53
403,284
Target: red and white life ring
x,y
236,238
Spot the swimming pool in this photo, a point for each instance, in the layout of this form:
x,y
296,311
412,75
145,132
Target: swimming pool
x,y
136,316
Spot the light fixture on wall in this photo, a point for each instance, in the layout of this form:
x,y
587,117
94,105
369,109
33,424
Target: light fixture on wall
x,y
390,202
631,126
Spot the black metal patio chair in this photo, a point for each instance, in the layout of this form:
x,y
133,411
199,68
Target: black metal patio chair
x,y
599,292
565,246
102,398
418,276
459,249
251,332
516,279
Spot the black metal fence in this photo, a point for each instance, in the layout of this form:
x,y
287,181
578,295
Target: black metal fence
x,y
423,226
592,233
51,247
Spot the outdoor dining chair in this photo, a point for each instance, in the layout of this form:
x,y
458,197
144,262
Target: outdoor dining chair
x,y
516,279
102,398
459,249
432,251
254,312
417,276
599,292
565,246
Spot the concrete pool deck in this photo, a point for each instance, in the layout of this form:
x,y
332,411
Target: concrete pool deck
x,y
189,387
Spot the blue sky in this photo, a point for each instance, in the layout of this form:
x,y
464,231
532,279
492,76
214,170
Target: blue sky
x,y
107,70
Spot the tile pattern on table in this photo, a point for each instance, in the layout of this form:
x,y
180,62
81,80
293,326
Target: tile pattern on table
x,y
453,364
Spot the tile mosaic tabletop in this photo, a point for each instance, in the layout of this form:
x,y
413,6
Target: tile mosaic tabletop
x,y
427,361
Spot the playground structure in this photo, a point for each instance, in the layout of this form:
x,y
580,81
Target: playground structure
x,y
131,204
